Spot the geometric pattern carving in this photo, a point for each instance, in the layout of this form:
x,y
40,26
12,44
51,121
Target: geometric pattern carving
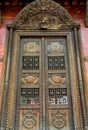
x,y
30,62
58,96
56,62
31,47
29,120
29,96
58,120
55,47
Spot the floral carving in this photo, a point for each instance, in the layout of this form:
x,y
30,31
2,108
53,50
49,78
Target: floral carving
x,y
31,47
30,79
55,47
43,14
57,79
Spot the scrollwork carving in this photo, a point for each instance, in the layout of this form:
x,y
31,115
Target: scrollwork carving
x,y
59,120
29,120
57,79
43,14
30,79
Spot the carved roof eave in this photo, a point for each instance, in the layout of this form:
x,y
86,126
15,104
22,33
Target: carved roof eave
x,y
43,15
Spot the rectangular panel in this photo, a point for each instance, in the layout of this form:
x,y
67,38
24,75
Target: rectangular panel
x,y
58,86
29,84
30,62
29,96
56,62
29,119
58,119
58,96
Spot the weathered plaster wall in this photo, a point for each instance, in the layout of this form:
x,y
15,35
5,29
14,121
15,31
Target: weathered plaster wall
x,y
77,12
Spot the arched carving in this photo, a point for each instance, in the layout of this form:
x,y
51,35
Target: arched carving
x,y
43,15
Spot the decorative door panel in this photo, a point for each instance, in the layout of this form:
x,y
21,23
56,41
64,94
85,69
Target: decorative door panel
x,y
59,119
44,85
58,84
29,119
30,84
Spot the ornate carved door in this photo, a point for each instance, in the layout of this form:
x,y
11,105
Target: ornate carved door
x,y
45,84
42,80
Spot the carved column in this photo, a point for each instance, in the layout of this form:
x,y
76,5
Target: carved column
x,y
74,86
10,101
5,73
83,89
82,106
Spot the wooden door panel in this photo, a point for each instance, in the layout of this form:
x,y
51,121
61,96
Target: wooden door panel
x,y
44,84
58,119
29,119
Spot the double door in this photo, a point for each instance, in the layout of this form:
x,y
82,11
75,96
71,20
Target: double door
x,y
44,84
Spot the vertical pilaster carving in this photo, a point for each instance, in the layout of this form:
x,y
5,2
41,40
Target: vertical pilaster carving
x,y
80,79
5,73
74,89
81,100
11,90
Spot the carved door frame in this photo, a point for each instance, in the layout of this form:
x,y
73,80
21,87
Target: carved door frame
x,y
63,27
45,34
12,66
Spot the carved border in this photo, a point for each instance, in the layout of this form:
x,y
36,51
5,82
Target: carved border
x,y
73,78
78,117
